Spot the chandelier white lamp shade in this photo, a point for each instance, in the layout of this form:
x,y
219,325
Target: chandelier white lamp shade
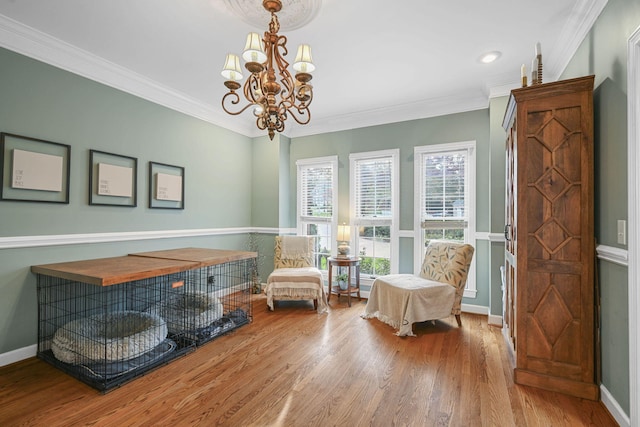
x,y
270,90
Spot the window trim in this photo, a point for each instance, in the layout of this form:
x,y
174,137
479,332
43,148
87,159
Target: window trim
x,y
333,220
394,238
418,255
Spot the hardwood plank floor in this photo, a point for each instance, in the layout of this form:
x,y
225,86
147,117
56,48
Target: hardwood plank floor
x,y
293,367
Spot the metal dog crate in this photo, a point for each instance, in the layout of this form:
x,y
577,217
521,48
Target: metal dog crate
x,y
98,319
218,291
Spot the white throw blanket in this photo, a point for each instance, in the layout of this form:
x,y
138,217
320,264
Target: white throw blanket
x,y
400,300
296,284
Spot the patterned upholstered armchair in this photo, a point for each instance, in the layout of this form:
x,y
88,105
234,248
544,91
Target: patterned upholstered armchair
x,y
294,276
403,299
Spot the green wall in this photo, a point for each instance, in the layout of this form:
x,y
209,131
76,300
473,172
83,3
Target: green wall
x,y
265,191
498,136
41,101
604,54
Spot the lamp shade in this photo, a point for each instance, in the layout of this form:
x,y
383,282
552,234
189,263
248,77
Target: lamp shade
x,y
344,233
254,49
231,70
304,62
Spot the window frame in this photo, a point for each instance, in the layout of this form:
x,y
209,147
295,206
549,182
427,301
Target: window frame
x,y
394,238
470,194
301,220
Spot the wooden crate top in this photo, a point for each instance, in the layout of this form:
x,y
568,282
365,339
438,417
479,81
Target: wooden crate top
x,y
111,271
204,257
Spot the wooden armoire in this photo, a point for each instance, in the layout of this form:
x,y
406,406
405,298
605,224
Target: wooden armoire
x,y
549,299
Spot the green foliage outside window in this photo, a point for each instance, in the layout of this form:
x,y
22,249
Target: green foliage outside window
x,y
375,266
456,235
380,231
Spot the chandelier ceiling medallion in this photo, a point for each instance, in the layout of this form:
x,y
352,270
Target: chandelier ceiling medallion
x,y
269,89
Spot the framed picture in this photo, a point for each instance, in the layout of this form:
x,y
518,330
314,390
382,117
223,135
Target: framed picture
x,y
113,179
34,170
166,186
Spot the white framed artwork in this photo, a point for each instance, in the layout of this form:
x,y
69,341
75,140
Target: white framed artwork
x,y
34,170
166,186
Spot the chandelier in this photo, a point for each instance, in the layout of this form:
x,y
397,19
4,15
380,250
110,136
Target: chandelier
x,y
269,89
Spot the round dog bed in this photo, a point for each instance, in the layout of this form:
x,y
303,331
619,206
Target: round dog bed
x,y
190,311
110,337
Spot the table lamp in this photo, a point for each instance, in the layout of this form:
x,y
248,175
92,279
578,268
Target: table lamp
x,y
344,237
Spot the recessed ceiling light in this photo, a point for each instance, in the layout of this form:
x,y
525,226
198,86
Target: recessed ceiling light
x,y
489,57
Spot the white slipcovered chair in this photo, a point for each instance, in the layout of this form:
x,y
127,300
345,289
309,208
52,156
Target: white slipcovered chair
x,y
400,300
294,276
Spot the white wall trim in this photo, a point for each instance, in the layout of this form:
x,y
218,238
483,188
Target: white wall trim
x,y
614,407
28,41
80,239
475,309
583,16
431,107
33,43
495,320
612,254
496,237
633,159
470,293
19,354
407,234
492,237
480,235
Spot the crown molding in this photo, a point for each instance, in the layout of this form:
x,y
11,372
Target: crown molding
x,y
502,90
432,107
35,44
580,22
38,45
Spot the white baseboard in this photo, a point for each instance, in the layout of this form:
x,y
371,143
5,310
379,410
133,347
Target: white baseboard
x,y
614,408
18,355
475,309
495,320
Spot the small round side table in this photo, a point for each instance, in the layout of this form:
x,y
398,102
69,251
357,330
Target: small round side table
x,y
350,263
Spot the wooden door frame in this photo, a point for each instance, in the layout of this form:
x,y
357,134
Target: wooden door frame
x,y
633,150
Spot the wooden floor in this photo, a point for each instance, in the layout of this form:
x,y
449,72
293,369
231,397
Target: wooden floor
x,y
293,367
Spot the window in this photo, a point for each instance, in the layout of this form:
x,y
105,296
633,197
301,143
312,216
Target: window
x,y
317,204
375,210
445,198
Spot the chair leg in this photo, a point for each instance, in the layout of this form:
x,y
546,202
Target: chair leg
x,y
315,304
458,320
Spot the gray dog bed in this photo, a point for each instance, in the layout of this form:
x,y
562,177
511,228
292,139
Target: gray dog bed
x,y
110,337
190,311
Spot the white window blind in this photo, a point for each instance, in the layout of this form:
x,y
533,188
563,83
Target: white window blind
x,y
373,189
316,191
444,201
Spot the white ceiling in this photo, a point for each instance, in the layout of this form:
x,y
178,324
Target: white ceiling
x,y
377,61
